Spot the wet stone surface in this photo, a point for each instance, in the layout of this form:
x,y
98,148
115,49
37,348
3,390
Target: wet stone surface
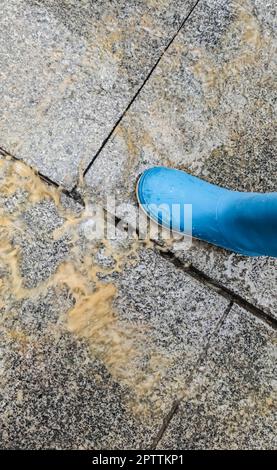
x,y
254,279
68,71
207,109
233,404
97,338
100,337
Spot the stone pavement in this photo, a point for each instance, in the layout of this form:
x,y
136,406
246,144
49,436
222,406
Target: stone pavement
x,y
124,343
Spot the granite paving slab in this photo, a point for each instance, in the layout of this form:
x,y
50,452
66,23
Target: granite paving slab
x,y
70,68
253,279
98,337
208,109
233,405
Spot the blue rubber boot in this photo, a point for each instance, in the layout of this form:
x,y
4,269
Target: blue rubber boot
x,y
245,223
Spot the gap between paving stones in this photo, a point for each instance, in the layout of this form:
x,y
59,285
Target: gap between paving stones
x,y
41,224
169,255
73,194
213,284
138,91
190,270
201,361
133,98
221,290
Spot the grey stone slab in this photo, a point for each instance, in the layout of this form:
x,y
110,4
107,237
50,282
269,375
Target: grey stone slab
x,y
179,312
254,279
208,109
233,405
68,71
50,400
97,337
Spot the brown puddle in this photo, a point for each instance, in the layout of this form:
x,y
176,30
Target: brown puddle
x,y
126,349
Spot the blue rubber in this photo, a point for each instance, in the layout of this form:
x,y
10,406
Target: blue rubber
x,y
241,222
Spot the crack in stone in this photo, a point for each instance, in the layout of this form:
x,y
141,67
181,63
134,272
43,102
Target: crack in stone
x,y
106,140
170,256
219,288
176,403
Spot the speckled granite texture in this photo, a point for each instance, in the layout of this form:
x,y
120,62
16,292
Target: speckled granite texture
x,y
233,405
207,109
110,381
68,71
101,339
